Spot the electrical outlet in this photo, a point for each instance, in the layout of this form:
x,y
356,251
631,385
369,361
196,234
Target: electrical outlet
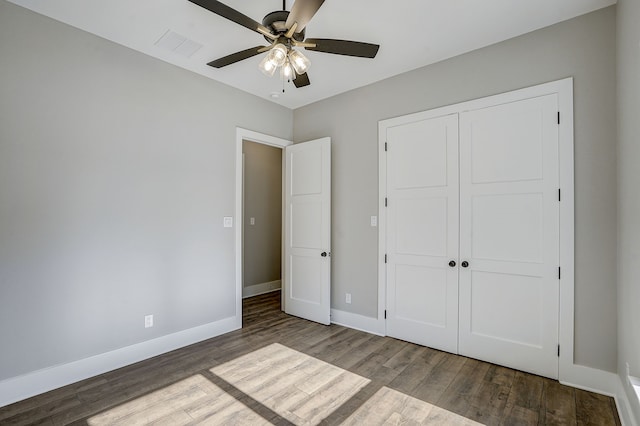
x,y
374,220
148,321
347,298
252,221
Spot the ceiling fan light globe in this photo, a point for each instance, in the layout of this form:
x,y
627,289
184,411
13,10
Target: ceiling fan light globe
x,y
278,54
300,62
287,72
267,66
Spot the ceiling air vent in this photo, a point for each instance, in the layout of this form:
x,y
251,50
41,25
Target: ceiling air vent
x,y
177,43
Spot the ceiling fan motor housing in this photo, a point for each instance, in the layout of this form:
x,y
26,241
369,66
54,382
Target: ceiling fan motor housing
x,y
276,22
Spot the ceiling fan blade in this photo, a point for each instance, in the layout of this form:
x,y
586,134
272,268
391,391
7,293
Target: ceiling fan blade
x,y
236,57
301,80
343,47
232,15
302,12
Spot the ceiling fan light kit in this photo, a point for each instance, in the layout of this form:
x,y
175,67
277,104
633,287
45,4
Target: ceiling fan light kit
x,y
285,30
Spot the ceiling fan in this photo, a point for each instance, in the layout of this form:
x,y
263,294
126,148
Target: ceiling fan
x,y
285,31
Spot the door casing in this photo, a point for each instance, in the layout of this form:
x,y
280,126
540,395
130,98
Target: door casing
x,y
248,135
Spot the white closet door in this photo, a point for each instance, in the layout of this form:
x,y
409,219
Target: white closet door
x,y
422,224
509,235
307,245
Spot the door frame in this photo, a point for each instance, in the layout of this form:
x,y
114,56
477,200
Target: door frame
x,y
261,138
568,372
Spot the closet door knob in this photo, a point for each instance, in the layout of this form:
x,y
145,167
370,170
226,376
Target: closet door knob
x,y
452,263
465,264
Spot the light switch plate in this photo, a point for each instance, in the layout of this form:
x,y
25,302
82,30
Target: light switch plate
x,y
228,222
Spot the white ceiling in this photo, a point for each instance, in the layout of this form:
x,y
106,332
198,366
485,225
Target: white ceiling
x,y
411,33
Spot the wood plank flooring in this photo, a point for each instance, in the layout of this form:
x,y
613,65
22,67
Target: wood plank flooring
x,y
284,370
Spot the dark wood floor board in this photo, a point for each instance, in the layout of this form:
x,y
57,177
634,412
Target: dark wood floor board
x,y
593,409
316,334
614,410
431,387
360,349
41,413
372,366
520,416
416,372
524,403
336,345
559,404
349,376
405,356
463,389
500,375
50,397
489,404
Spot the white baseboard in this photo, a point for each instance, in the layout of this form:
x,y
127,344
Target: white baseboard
x,y
258,289
356,321
589,379
628,403
18,388
602,382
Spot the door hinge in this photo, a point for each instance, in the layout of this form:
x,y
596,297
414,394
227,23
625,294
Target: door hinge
x,y
385,314
386,147
558,350
558,272
558,117
386,201
385,258
559,197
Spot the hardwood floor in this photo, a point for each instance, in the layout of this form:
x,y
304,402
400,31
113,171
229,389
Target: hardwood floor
x,y
283,370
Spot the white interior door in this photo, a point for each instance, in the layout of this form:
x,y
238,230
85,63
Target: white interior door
x,y
307,236
422,238
509,235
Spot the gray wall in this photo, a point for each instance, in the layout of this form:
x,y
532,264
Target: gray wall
x,y
262,200
629,192
116,170
583,48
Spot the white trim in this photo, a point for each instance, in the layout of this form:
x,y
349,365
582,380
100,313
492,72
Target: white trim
x,y
605,383
564,90
246,135
591,379
382,227
37,382
628,400
262,288
566,326
357,322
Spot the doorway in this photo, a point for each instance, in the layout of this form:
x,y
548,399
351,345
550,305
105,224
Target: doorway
x,y
306,221
261,219
242,136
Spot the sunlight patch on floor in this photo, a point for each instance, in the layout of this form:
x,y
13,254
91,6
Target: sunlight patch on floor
x,y
273,383
298,387
390,407
180,403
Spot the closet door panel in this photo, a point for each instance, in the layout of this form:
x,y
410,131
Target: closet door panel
x,y
422,223
509,235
